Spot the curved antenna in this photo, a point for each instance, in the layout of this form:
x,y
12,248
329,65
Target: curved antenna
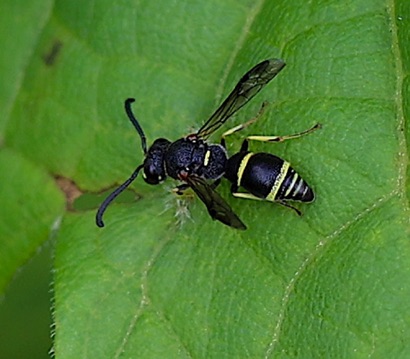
x,y
134,121
115,193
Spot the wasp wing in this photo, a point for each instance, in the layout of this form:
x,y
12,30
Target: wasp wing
x,y
248,86
216,205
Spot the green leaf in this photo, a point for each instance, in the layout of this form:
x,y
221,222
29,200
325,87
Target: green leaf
x,y
333,283
30,206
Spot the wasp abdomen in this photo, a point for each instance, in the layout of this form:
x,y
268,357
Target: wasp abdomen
x,y
268,177
295,188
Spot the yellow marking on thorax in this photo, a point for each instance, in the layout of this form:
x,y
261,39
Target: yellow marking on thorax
x,y
242,167
278,182
207,156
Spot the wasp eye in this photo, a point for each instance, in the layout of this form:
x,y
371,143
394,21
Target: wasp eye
x,y
152,179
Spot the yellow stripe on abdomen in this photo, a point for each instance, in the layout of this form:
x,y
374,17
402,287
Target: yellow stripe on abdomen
x,y
242,167
278,182
294,179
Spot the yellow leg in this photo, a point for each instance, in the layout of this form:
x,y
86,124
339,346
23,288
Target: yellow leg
x,y
180,190
283,138
251,196
246,196
246,124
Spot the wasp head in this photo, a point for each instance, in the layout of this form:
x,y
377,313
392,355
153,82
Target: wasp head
x,y
154,168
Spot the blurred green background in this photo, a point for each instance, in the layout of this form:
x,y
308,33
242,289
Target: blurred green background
x,y
25,314
333,283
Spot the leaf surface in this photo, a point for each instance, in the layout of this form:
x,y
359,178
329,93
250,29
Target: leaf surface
x,y
333,283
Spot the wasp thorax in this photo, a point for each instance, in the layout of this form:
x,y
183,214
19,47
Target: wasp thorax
x,y
184,156
189,156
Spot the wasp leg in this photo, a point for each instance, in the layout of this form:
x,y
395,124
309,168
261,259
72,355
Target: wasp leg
x,y
246,124
216,183
251,196
179,190
244,146
290,206
246,196
234,188
284,138
223,143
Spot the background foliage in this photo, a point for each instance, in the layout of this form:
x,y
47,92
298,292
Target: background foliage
x,y
333,283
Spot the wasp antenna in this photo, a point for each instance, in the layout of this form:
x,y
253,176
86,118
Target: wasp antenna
x,y
113,195
134,121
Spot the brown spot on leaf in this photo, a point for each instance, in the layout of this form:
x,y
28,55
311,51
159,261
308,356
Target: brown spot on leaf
x,y
50,57
70,189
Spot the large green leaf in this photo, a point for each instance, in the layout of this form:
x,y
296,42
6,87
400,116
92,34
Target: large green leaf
x,y
333,283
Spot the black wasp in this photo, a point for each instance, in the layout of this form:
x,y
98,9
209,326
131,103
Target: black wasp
x,y
201,165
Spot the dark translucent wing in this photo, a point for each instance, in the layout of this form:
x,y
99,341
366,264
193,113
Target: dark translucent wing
x,y
216,205
248,86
